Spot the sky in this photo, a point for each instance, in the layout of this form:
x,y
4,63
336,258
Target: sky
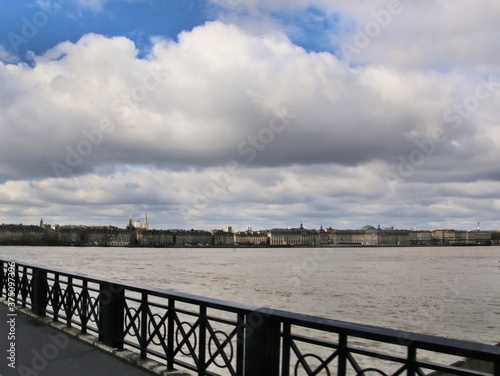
x,y
250,113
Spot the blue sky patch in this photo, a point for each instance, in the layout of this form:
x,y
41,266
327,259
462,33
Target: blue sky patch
x,y
28,26
312,28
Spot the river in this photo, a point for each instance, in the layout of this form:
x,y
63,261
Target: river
x,y
447,291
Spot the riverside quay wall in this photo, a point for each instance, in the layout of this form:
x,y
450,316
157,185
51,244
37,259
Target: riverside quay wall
x,y
140,235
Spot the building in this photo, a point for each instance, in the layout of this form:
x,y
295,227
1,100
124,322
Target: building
x,y
22,234
95,236
420,237
70,235
158,238
250,238
222,238
297,237
120,238
369,235
346,237
450,237
192,237
461,237
138,233
138,225
385,236
483,237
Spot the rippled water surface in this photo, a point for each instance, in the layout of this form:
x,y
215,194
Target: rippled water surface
x,y
452,292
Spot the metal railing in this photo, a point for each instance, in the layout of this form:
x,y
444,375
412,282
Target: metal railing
x,y
214,337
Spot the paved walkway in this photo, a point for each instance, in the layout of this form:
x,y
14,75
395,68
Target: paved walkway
x,y
41,350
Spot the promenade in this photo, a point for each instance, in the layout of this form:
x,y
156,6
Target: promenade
x,y
42,350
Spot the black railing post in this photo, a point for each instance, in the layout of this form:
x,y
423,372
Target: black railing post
x,y
70,293
287,344
56,292
342,367
203,341
111,314
262,344
240,344
144,325
412,357
170,334
39,297
84,299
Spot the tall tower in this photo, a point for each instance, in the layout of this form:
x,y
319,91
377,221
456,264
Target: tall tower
x,y
146,224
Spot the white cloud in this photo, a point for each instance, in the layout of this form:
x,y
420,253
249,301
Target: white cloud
x,y
262,197
286,133
6,56
227,92
442,35
439,35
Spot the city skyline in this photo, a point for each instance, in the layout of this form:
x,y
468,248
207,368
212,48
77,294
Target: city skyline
x,y
204,113
142,222
138,233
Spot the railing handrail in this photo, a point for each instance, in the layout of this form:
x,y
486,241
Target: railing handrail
x,y
387,335
404,338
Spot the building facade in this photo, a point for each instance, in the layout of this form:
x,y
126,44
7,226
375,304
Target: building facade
x,y
158,238
222,238
139,234
250,238
192,237
461,237
22,234
420,237
290,237
369,235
